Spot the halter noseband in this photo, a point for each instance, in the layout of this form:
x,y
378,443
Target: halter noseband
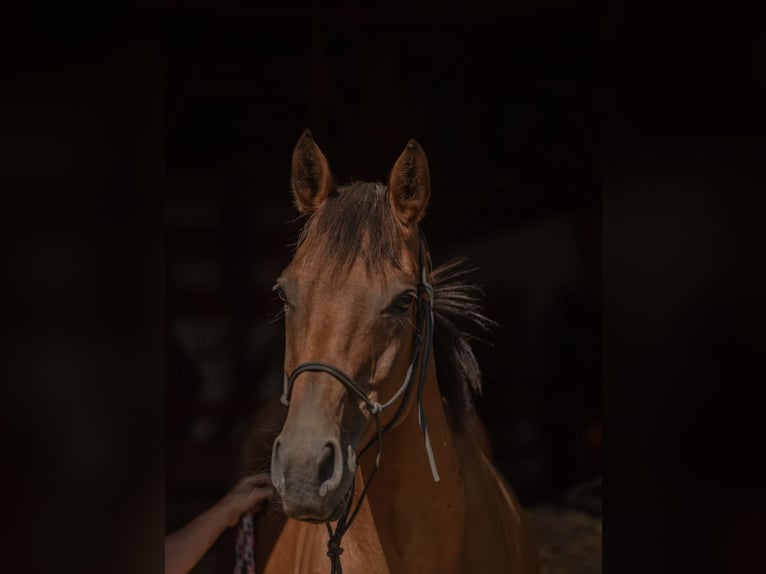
x,y
424,322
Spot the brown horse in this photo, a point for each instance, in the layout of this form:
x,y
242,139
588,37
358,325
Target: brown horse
x,y
361,371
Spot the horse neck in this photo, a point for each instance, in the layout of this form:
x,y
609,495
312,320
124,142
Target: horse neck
x,y
411,511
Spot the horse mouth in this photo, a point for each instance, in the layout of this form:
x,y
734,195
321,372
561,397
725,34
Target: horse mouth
x,y
332,517
336,513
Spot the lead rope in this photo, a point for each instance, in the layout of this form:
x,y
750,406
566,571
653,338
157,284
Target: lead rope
x,y
245,563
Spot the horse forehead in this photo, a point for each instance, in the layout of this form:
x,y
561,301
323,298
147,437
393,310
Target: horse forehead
x,y
359,277
348,286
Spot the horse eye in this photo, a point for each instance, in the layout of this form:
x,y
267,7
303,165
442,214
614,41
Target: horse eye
x,y
280,293
402,302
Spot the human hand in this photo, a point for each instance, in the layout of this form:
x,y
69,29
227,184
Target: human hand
x,y
248,495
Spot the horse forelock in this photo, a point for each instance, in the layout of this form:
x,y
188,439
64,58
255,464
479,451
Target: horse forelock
x,y
356,224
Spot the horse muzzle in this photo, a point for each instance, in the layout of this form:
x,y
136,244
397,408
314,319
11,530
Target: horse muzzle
x,y
312,476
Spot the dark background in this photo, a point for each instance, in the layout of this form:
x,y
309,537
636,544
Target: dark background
x,y
503,102
83,230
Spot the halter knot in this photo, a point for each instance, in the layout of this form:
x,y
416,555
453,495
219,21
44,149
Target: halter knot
x,y
424,286
333,549
375,408
285,401
430,290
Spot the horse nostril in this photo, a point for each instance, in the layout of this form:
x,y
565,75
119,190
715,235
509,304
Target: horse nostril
x,y
330,470
326,463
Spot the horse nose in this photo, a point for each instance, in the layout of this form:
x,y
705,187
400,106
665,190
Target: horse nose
x,y
330,467
291,462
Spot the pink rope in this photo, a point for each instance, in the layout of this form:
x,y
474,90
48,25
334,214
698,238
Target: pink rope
x,y
245,543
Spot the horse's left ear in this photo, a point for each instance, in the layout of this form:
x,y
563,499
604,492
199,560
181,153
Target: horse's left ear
x,y
409,185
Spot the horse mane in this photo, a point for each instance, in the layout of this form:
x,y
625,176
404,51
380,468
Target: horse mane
x,y
456,302
336,232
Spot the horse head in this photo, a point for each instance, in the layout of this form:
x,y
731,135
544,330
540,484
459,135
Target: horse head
x,y
350,298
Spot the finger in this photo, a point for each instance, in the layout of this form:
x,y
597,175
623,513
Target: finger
x,y
261,479
254,481
258,495
263,492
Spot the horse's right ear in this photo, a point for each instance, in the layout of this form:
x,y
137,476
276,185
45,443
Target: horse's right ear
x,y
311,179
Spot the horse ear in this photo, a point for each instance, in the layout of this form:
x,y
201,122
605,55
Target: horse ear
x,y
410,184
311,180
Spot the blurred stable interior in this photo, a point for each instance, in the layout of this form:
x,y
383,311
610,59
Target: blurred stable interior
x,y
503,100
